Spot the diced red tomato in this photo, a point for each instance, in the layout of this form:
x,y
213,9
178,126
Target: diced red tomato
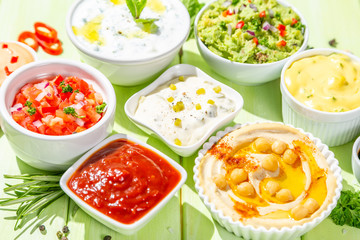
x,y
293,21
281,43
281,27
50,110
240,24
256,41
262,14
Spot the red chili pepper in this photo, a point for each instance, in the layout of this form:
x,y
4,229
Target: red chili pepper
x,y
28,35
281,27
54,48
4,45
240,24
262,14
281,43
7,71
256,41
50,35
294,21
14,59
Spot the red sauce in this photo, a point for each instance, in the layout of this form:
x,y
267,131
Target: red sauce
x,y
124,180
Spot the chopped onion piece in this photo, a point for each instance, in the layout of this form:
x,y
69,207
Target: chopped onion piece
x,y
40,96
261,47
226,3
266,26
251,33
42,85
236,10
273,29
16,107
79,96
253,7
37,123
79,122
55,90
78,105
229,28
242,7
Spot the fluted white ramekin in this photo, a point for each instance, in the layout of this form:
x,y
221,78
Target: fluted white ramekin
x,y
259,232
333,128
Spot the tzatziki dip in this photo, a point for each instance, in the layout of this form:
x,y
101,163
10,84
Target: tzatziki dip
x,y
183,109
107,28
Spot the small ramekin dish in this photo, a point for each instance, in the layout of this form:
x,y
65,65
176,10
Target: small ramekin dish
x,y
106,220
135,70
11,65
47,152
333,128
355,159
258,232
245,73
175,72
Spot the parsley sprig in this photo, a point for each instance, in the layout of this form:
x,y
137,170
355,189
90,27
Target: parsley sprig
x,y
100,108
31,109
71,111
66,88
347,210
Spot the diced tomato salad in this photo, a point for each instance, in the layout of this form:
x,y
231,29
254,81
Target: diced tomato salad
x,y
58,106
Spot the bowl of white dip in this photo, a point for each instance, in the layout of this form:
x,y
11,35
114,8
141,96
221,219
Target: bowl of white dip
x,y
108,38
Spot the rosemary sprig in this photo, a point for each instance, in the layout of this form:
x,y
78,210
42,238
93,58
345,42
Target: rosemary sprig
x,y
33,195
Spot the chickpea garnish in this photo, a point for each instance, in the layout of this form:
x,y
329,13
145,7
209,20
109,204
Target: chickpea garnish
x,y
220,181
238,176
245,189
284,195
278,147
299,212
262,144
270,163
272,187
311,205
290,157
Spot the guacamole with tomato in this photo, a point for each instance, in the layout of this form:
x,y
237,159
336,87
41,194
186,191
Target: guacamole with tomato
x,y
251,31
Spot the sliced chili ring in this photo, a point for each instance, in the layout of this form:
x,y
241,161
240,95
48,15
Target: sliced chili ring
x,y
24,38
45,32
54,48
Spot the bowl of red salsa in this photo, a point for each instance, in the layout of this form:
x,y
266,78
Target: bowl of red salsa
x,y
54,111
123,182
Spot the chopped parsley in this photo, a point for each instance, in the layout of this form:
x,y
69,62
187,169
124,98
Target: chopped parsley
x,y
347,209
72,112
223,25
67,89
62,83
234,2
298,26
77,90
100,108
31,110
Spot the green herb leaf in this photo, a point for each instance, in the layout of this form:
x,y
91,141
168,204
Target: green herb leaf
x,y
147,25
67,88
136,7
193,7
31,111
100,108
28,104
234,2
71,111
347,210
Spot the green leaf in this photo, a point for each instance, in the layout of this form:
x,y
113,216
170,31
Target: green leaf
x,y
347,210
136,7
132,7
148,25
193,7
21,185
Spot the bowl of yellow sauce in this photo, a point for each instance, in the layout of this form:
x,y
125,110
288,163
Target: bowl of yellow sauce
x,y
321,94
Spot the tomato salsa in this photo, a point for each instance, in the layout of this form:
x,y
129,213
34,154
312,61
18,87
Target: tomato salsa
x,y
58,106
124,180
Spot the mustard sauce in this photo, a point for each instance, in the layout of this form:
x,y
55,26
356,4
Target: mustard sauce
x,y
326,83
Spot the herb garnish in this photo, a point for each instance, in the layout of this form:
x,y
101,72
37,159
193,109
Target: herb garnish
x,y
71,111
67,89
333,43
36,193
136,7
347,210
31,110
100,108
193,7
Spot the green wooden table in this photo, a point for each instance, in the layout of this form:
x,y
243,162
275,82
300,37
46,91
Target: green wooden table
x,y
185,216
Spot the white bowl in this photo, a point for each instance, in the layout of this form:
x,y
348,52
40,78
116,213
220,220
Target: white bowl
x,y
245,73
132,72
174,72
333,128
54,152
104,219
355,159
259,232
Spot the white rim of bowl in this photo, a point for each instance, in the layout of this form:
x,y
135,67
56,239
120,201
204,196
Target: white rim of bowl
x,y
355,150
333,166
79,46
109,91
311,53
213,128
32,51
281,2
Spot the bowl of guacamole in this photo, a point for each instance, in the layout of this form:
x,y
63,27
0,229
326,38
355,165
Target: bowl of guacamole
x,y
249,41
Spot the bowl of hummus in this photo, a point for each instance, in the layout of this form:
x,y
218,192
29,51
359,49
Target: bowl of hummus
x,y
128,50
249,42
320,92
267,180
